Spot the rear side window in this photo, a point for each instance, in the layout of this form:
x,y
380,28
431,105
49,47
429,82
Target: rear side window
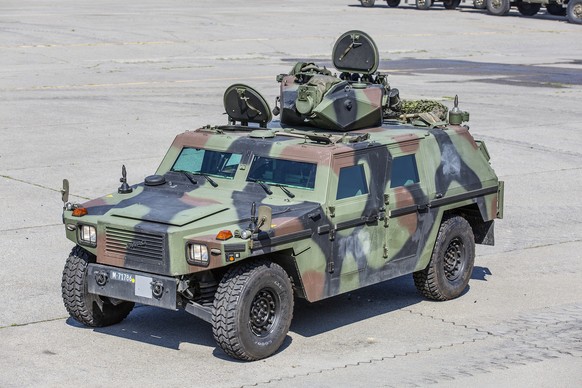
x,y
352,182
404,171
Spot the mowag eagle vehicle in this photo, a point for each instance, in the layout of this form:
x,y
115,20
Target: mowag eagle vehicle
x,y
350,187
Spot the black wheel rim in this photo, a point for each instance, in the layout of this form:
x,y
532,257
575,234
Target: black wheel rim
x,y
264,310
454,262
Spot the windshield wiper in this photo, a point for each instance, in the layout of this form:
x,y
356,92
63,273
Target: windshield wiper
x,y
209,179
188,175
285,190
262,184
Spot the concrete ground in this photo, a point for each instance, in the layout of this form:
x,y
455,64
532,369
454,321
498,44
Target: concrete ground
x,y
88,86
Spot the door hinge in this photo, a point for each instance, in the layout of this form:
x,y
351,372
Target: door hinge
x,y
330,267
332,234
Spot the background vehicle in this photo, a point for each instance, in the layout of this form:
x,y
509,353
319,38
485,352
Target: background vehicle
x,y
353,186
426,4
572,9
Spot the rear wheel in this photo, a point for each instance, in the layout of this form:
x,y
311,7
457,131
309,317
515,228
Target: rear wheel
x,y
528,9
423,4
574,11
89,309
556,9
498,7
451,4
253,308
451,263
393,3
367,3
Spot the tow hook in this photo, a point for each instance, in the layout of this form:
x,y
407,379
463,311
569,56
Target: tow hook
x,y
101,278
157,289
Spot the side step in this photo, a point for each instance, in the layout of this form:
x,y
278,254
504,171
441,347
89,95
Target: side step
x,y
202,312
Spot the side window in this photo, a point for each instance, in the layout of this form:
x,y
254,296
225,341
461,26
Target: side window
x,y
404,171
352,182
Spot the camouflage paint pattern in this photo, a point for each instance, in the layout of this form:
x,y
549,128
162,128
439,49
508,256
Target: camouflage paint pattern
x,y
328,245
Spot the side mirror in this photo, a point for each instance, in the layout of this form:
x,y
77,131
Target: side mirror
x,y
65,191
265,218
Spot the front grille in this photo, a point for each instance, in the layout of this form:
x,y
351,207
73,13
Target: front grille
x,y
131,243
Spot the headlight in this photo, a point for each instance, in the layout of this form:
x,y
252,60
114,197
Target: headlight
x,y
87,235
197,254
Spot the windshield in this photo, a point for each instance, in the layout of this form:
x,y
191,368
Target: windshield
x,y
283,172
201,161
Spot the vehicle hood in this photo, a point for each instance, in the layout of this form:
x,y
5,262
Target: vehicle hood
x,y
179,208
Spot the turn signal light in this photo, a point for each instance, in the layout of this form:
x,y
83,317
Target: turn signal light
x,y
80,212
224,235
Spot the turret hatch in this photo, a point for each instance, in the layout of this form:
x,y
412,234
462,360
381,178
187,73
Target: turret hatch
x,y
355,52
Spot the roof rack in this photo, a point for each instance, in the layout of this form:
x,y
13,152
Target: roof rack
x,y
326,138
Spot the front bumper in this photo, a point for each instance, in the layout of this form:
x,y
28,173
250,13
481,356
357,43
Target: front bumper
x,y
133,286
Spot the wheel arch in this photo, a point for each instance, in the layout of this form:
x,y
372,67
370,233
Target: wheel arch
x,y
483,229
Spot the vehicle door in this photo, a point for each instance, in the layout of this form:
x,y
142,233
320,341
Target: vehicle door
x,y
408,209
355,204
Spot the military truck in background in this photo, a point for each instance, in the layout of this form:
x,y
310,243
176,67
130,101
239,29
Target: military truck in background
x,y
572,9
351,187
426,4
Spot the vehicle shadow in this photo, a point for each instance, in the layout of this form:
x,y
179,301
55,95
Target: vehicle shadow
x,y
159,327
312,319
533,75
479,273
170,329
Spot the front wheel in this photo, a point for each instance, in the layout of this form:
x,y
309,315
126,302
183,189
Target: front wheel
x,y
367,3
451,4
574,11
423,4
393,3
498,7
86,308
451,264
528,9
252,311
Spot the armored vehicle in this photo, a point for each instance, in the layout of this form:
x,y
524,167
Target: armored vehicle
x,y
351,187
572,9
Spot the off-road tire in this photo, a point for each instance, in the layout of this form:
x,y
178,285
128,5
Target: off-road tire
x,y
528,9
574,11
451,4
86,308
451,263
252,311
367,3
498,7
393,3
480,4
556,9
423,4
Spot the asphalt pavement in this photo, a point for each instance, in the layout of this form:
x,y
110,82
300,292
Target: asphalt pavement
x,y
88,86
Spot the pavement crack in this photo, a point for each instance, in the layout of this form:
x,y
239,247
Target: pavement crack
x,y
36,185
364,362
33,323
29,227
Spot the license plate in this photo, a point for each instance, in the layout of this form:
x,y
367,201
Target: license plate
x,y
142,284
122,277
